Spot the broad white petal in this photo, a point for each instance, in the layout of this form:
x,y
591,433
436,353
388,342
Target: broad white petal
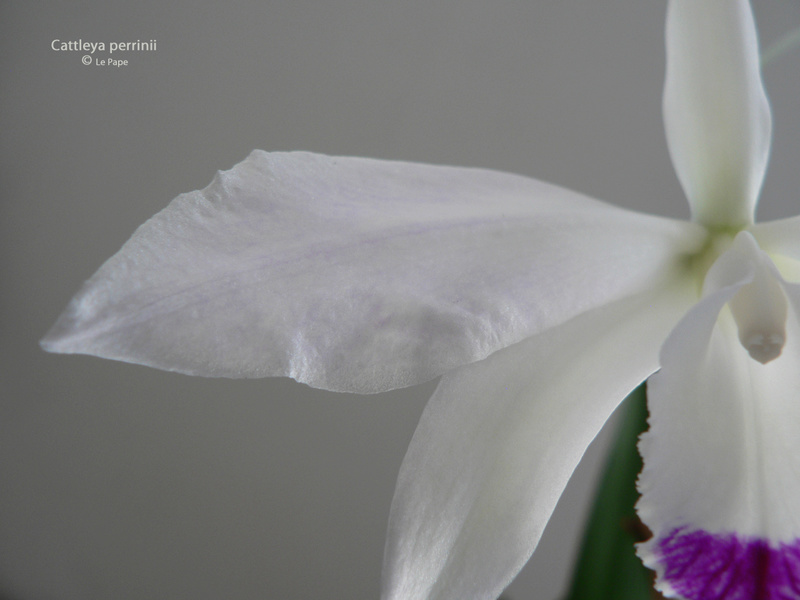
x,y
499,440
357,274
716,113
721,480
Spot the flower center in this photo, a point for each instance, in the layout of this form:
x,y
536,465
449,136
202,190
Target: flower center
x,y
759,306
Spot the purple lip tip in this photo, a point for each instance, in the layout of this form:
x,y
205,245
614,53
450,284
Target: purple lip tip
x,y
703,566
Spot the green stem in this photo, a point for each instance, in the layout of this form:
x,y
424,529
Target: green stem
x,y
607,567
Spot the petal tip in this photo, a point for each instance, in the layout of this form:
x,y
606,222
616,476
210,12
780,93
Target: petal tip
x,y
49,343
76,328
62,336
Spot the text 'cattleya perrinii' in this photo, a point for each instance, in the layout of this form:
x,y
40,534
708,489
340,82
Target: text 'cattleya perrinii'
x,y
540,308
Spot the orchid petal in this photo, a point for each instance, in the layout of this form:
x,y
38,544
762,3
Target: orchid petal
x,y
716,114
499,440
721,482
359,275
781,237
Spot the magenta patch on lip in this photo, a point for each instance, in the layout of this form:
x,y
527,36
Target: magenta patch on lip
x,y
703,566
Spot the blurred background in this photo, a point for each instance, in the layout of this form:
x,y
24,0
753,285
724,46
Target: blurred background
x,y
121,482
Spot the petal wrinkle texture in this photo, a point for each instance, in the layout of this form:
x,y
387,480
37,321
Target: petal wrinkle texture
x,y
359,275
716,113
499,440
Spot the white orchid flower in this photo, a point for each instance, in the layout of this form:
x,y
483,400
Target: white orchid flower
x,y
540,308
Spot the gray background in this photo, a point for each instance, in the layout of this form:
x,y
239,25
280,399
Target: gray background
x,y
117,481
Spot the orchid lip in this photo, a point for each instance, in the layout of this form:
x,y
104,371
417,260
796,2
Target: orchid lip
x,y
702,565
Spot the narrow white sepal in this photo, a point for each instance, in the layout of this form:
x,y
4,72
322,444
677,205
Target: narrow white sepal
x,y
716,113
499,440
359,275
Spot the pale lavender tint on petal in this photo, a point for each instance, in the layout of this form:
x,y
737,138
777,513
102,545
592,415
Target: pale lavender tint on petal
x,y
703,566
360,275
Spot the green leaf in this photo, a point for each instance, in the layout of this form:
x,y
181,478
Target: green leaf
x,y
607,567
